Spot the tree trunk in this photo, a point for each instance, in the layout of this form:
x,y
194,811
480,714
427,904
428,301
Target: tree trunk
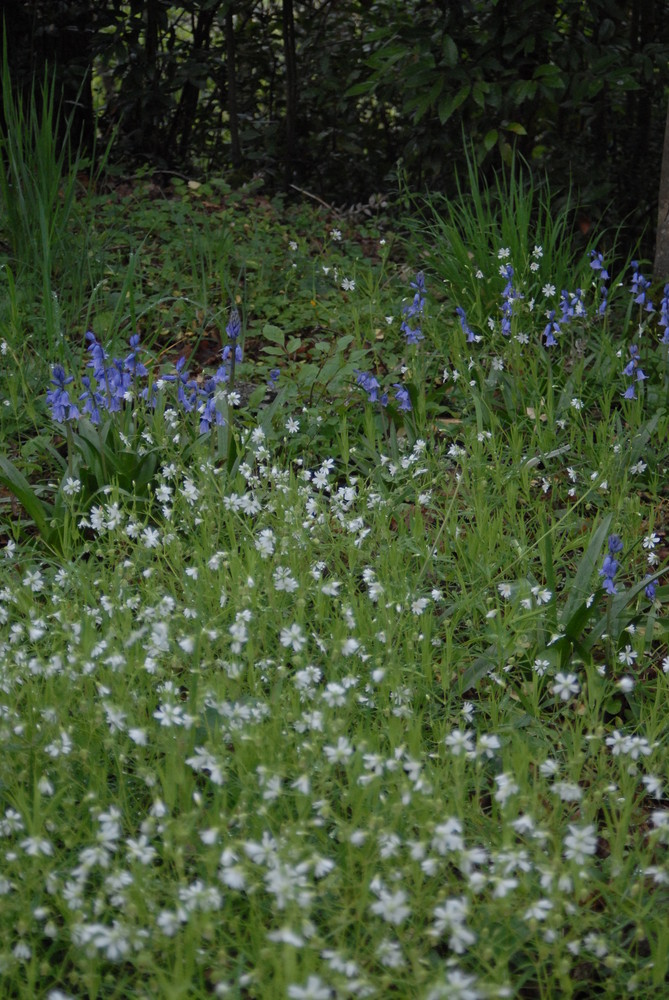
x,y
661,265
291,90
233,113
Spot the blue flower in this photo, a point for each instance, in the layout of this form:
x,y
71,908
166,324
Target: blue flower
x,y
414,311
632,370
615,544
371,386
640,286
234,327
552,327
402,397
610,565
649,590
94,401
509,295
209,413
132,363
664,315
471,336
62,408
185,385
98,357
597,264
226,353
608,571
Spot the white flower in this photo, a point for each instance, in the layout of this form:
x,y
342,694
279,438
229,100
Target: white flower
x,y
348,284
459,742
391,906
539,910
565,686
580,842
150,537
314,989
627,656
567,791
71,486
339,754
292,638
265,543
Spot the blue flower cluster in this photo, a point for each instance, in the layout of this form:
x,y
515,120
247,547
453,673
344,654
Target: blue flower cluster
x,y
414,311
640,286
633,371
371,386
610,566
466,328
597,264
664,315
113,383
509,296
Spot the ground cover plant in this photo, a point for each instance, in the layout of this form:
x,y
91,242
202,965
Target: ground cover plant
x,y
333,647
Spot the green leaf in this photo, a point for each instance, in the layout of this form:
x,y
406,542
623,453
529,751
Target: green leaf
x,y
39,511
448,105
581,588
449,51
489,139
479,668
273,333
257,397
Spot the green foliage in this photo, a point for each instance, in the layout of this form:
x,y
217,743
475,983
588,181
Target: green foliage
x,y
334,101
330,701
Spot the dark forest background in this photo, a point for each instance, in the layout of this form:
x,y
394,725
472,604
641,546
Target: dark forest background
x,y
339,96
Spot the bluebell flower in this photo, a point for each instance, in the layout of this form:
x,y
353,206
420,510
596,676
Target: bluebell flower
x,y
615,544
186,385
58,398
552,327
649,590
632,370
402,397
414,311
610,565
664,315
226,353
371,386
273,376
571,304
509,295
234,327
132,363
640,286
93,400
597,264
209,413
466,328
98,357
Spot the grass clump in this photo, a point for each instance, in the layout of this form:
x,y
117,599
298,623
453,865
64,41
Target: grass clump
x,y
334,660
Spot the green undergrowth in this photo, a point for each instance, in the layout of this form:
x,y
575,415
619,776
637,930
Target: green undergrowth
x,y
334,658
